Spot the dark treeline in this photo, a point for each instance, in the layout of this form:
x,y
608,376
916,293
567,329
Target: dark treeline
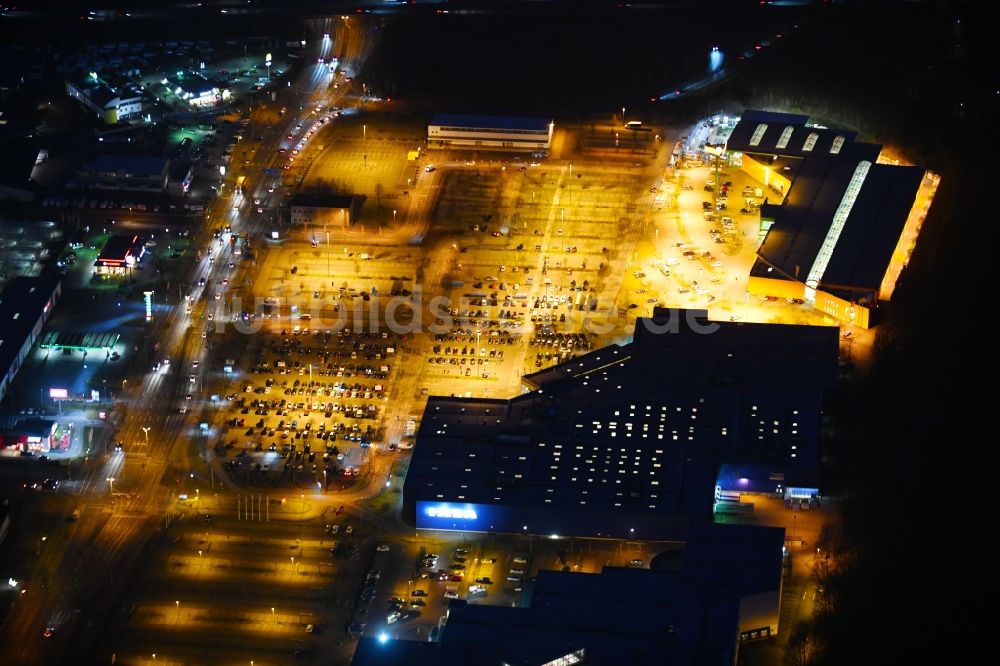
x,y
907,434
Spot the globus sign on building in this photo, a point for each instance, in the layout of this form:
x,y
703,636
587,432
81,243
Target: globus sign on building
x,y
449,516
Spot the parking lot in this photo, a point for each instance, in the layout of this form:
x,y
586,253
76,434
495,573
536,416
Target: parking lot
x,y
257,578
302,408
488,569
703,245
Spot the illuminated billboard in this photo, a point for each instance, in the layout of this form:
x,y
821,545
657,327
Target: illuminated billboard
x,y
58,393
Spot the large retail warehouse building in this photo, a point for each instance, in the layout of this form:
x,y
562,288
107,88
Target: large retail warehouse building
x,y
840,222
631,441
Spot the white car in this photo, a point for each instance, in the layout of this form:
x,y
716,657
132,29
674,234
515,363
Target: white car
x,y
672,262
383,548
451,594
429,168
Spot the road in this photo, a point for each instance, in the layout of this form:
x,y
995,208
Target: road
x,y
124,495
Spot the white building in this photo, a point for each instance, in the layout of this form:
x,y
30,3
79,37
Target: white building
x,y
110,104
447,130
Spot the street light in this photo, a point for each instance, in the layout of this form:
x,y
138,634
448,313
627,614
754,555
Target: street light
x,y
145,431
111,480
623,115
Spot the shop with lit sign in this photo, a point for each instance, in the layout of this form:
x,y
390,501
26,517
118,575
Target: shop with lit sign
x,y
121,254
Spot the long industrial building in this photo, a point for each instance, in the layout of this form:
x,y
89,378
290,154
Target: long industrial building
x,y
448,130
25,305
840,223
630,441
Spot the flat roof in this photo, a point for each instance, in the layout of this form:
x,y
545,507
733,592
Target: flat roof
x,y
323,201
864,247
18,163
130,165
662,617
467,121
746,558
631,430
22,302
119,246
785,134
869,238
180,170
78,340
33,427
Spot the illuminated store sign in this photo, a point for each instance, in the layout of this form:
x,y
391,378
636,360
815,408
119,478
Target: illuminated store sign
x,y
456,516
445,511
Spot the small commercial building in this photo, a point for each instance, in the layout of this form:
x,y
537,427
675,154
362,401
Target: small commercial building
x,y
447,130
110,104
134,173
180,179
18,170
324,211
25,305
840,223
32,434
120,254
198,90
